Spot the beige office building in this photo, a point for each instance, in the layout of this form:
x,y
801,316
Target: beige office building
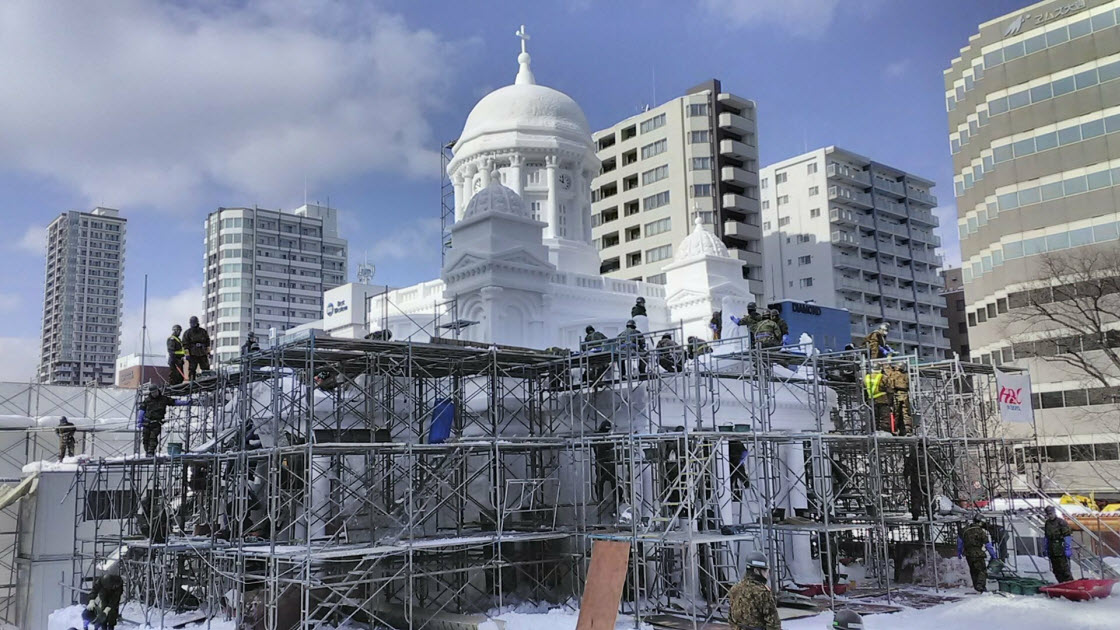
x,y
695,153
1034,130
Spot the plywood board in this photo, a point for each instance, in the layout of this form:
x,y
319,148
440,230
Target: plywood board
x,y
602,593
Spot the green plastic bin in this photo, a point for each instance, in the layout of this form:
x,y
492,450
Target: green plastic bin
x,y
1021,586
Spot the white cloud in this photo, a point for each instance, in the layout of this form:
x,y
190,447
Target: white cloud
x,y
134,102
9,302
163,313
803,18
896,69
34,240
21,358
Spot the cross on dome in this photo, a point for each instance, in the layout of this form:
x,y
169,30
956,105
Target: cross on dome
x,y
524,74
523,36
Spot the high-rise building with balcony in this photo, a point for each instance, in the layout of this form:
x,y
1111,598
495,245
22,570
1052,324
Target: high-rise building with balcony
x,y
695,153
844,231
82,298
955,307
1033,104
268,269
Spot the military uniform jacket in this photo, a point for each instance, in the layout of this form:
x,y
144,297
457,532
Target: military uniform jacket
x,y
752,606
1056,530
197,341
155,408
975,537
896,381
66,431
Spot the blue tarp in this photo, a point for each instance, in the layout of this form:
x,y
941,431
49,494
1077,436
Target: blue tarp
x,y
443,415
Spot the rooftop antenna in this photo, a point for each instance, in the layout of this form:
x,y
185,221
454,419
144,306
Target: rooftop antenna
x,y
305,190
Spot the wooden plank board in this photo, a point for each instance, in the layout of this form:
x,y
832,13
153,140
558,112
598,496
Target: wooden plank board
x,y
598,610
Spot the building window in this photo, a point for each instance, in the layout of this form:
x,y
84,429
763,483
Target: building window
x,y
653,123
654,148
701,163
766,204
814,191
656,279
701,190
806,283
699,137
633,259
656,201
659,227
698,109
783,221
803,238
814,213
765,225
765,183
811,168
659,253
783,200
655,174
804,260
781,178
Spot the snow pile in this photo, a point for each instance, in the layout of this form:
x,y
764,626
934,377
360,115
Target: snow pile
x,y
71,617
70,464
526,617
990,612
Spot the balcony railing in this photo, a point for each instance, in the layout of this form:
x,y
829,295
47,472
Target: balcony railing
x,y
842,238
922,197
839,215
848,196
894,188
846,172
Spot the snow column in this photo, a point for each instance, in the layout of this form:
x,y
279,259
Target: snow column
x,y
798,552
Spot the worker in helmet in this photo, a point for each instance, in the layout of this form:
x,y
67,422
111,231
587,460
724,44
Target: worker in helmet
x,y
972,544
753,606
638,314
631,343
876,342
847,620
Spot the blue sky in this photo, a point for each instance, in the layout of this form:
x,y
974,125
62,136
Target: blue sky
x,y
167,111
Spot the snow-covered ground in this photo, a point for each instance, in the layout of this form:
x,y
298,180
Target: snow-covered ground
x,y
978,612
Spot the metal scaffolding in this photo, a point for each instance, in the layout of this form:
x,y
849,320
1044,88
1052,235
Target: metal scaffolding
x,y
328,480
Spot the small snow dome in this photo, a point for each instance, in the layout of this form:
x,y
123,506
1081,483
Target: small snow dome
x,y
702,242
496,198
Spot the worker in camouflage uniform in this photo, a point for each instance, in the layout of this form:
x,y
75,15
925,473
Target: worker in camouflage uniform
x,y
876,341
897,383
768,331
972,543
750,319
65,433
1059,544
753,606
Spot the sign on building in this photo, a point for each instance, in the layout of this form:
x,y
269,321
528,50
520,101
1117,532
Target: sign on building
x,y
1014,397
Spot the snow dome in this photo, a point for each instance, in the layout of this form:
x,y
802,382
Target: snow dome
x,y
496,198
702,242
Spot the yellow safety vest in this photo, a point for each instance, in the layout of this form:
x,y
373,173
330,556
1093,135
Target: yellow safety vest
x,y
872,382
181,351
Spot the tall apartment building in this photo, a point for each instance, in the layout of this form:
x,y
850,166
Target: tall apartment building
x,y
847,232
268,269
698,152
955,307
82,298
1033,104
